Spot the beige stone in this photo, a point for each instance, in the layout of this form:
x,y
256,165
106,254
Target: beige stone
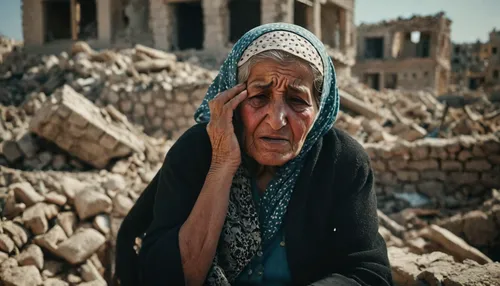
x,y
35,219
32,255
51,239
115,182
89,272
26,193
451,166
51,268
71,186
478,165
6,243
408,176
423,165
81,245
10,262
122,204
102,223
16,232
479,229
3,256
56,198
464,178
67,221
438,175
464,155
21,276
55,282
89,203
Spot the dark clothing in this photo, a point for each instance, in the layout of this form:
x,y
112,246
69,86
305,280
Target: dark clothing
x,y
331,224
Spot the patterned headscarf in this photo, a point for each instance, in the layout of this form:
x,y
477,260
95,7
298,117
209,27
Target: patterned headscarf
x,y
242,236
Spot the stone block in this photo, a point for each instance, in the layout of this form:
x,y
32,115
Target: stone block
x,y
464,155
423,165
451,166
85,121
432,189
396,165
407,176
419,153
80,245
464,178
478,165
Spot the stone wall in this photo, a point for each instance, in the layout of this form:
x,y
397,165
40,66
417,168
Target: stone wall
x,y
162,108
451,172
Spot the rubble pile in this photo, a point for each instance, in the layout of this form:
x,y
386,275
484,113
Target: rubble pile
x,y
88,71
391,115
57,227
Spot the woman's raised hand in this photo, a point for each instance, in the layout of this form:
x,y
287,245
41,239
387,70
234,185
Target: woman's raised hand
x,y
225,147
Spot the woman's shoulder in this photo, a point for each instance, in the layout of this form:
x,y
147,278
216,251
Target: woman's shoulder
x,y
194,143
345,146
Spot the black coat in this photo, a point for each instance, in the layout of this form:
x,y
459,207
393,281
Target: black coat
x,y
331,222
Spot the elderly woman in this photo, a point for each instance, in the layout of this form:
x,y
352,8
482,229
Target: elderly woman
x,y
263,190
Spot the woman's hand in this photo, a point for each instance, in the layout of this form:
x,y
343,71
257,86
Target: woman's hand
x,y
225,148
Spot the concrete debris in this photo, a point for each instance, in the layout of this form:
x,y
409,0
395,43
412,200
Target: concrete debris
x,y
77,126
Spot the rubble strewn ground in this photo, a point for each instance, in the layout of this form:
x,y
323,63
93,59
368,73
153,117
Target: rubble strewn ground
x,y
62,205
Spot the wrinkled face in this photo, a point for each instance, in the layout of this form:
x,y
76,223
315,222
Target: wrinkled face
x,y
278,112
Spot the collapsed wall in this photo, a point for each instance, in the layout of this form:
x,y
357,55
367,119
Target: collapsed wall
x,y
451,173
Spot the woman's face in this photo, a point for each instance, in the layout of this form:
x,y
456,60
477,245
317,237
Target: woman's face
x,y
278,112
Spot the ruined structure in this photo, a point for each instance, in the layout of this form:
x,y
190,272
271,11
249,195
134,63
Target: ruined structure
x,y
405,54
477,65
175,25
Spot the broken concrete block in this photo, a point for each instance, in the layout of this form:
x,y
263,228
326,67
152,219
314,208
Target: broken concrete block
x,y
89,203
56,198
51,239
11,151
32,255
21,276
122,204
81,245
67,220
80,125
26,193
16,232
35,219
6,243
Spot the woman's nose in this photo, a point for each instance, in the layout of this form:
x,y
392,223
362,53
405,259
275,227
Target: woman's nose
x,y
277,115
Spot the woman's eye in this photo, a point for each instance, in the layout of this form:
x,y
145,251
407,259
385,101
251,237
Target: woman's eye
x,y
296,100
257,100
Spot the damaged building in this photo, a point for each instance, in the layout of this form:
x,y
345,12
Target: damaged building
x,y
410,54
477,65
178,25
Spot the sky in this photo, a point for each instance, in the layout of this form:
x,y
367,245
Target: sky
x,y
472,19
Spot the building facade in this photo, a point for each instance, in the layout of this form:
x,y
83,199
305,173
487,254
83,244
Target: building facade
x,y
411,54
477,65
178,25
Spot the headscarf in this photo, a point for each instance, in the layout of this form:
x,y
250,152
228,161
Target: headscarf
x,y
242,236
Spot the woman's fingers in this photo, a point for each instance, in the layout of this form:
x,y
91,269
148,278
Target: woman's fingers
x,y
227,95
217,105
235,101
